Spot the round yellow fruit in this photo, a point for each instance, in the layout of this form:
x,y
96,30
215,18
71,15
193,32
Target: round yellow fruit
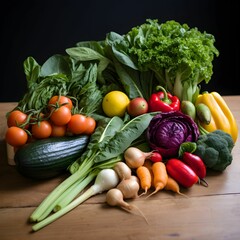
x,y
115,103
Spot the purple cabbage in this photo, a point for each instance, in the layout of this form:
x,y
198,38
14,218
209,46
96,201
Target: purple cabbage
x,y
167,131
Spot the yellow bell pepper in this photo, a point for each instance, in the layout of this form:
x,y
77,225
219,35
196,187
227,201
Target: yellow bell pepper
x,y
221,116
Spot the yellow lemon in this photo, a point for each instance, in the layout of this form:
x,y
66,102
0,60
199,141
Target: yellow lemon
x,y
115,103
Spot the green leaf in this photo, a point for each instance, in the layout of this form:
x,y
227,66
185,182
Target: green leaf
x,y
122,139
106,129
187,147
88,54
31,70
129,84
56,64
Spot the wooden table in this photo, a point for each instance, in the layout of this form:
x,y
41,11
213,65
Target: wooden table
x,y
211,212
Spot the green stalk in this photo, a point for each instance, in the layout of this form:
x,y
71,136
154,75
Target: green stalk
x,y
52,197
48,204
73,191
90,192
76,188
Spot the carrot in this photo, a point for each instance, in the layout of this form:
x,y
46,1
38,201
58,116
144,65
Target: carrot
x,y
173,185
148,163
160,176
145,178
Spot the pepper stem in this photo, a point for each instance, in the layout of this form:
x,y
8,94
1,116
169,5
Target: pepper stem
x,y
165,98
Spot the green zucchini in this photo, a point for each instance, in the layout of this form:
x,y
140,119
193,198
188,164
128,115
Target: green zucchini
x,y
47,158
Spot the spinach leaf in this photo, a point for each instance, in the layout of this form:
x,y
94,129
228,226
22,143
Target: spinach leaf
x,y
56,64
88,54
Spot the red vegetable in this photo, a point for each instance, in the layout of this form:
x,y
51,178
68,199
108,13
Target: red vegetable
x,y
155,157
196,163
163,101
181,172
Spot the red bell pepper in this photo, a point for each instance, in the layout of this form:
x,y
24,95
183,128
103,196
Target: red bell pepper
x,y
163,101
181,172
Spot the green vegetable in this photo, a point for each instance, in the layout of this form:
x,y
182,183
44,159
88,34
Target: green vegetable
x,y
203,113
181,57
105,180
49,157
62,75
215,149
188,108
107,144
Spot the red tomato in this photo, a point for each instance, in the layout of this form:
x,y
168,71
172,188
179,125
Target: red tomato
x,y
58,131
16,118
16,136
181,172
57,101
77,124
42,129
61,116
90,125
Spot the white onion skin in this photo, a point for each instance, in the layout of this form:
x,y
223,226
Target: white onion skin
x,y
123,171
134,157
114,197
129,188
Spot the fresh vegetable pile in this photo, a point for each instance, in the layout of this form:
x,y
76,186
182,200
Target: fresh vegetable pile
x,y
126,112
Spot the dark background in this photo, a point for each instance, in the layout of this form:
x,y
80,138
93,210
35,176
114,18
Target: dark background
x,y
43,28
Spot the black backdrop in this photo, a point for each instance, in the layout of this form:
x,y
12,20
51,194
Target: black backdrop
x,y
43,28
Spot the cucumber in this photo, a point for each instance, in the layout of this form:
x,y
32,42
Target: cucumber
x,y
47,158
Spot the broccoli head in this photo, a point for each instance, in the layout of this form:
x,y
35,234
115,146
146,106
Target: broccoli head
x,y
215,149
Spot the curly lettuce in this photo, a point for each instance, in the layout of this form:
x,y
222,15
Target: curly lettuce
x,y
181,57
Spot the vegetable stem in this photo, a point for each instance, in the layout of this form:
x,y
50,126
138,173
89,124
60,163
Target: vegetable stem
x,y
74,190
53,196
90,192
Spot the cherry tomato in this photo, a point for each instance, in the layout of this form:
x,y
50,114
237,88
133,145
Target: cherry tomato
x,y
61,116
42,129
16,118
90,125
58,131
16,136
77,124
57,101
181,172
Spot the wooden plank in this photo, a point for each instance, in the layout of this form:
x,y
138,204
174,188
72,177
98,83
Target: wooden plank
x,y
207,217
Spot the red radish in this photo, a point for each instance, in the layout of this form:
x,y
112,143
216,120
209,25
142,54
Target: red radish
x,y
155,157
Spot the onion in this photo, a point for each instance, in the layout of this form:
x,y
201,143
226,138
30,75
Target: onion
x,y
114,197
135,158
129,188
122,170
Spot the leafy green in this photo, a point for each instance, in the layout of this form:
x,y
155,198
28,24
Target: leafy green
x,y
181,57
